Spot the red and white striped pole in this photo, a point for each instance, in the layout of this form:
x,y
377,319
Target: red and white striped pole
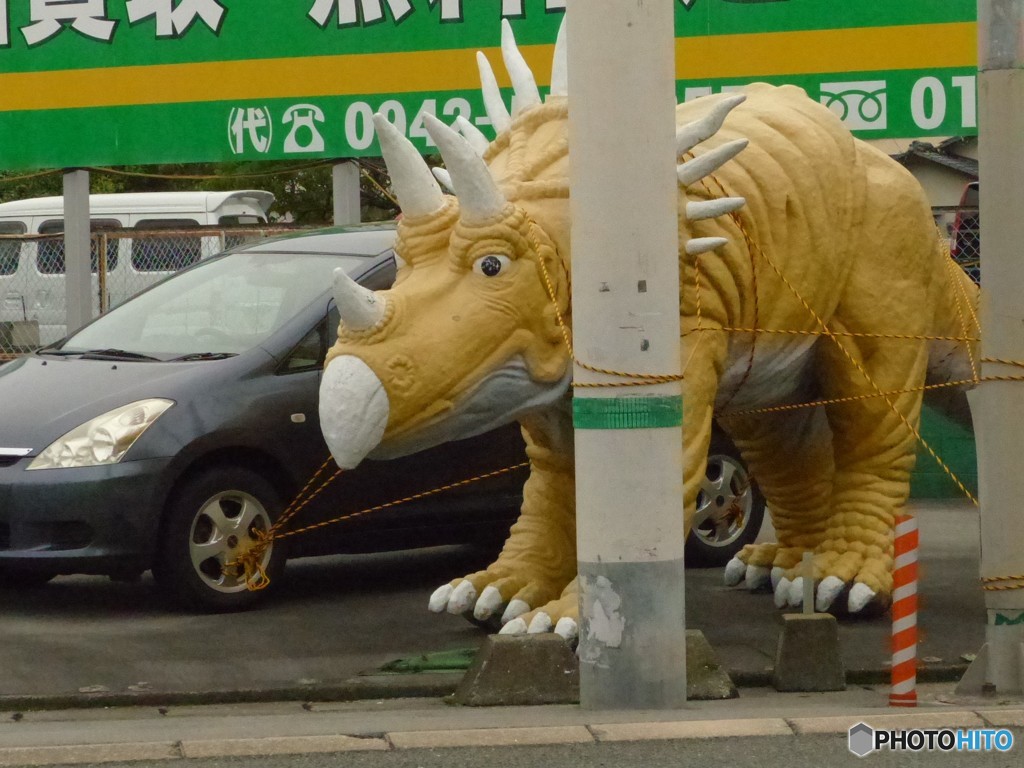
x,y
904,614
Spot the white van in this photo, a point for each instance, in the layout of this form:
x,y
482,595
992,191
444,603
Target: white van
x,y
32,291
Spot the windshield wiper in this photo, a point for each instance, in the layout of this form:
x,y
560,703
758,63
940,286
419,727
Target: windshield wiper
x,y
203,356
59,352
115,354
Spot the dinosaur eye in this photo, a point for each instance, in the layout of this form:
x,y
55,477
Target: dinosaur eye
x,y
490,266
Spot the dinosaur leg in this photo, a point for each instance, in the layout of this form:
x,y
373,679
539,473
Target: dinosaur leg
x,y
790,456
874,448
702,374
538,560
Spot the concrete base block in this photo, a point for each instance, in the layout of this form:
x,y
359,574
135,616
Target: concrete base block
x,y
705,678
521,670
808,657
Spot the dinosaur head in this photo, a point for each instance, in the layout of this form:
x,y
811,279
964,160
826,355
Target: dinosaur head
x,y
474,333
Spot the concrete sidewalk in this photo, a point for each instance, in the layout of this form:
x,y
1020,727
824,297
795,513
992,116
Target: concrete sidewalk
x,y
144,733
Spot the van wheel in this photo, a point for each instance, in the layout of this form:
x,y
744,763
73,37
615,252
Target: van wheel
x,y
730,508
212,519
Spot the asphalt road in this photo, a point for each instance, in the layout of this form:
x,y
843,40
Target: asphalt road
x,y
792,752
334,618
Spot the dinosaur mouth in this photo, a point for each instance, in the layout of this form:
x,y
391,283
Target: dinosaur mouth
x,y
501,397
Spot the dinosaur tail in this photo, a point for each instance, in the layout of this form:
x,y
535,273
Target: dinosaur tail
x,y
954,356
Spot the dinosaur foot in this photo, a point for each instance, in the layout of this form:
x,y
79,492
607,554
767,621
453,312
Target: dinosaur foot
x,y
847,584
493,598
560,616
760,567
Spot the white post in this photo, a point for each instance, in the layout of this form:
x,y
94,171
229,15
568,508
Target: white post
x,y
998,407
346,194
625,283
77,278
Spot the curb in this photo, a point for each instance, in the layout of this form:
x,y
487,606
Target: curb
x,y
580,734
381,686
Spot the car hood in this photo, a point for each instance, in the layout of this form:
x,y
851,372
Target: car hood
x,y
42,398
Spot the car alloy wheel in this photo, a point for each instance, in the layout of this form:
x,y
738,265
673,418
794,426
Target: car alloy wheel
x,y
214,518
226,526
729,510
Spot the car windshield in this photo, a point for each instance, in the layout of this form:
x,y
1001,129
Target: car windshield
x,y
222,307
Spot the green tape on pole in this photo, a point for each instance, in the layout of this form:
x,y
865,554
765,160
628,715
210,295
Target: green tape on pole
x,y
627,412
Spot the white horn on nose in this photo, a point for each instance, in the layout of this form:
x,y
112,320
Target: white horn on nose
x,y
360,308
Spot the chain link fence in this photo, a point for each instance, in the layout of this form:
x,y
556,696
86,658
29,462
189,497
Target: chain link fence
x,y
965,241
124,262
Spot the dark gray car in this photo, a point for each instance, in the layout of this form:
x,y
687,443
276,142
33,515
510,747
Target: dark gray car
x,y
168,433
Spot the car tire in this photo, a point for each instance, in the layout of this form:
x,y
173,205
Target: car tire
x,y
212,518
730,508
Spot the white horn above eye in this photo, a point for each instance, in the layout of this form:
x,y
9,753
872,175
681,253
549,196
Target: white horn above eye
x,y
479,197
415,187
360,308
523,82
494,105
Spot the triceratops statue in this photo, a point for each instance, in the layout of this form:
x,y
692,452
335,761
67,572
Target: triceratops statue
x,y
821,278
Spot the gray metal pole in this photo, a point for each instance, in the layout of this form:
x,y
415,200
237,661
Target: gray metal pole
x,y
625,283
346,194
77,278
998,407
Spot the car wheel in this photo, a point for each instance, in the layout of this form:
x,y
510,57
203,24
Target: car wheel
x,y
212,519
16,578
730,508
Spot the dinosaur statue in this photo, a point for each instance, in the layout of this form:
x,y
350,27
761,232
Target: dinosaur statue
x,y
788,226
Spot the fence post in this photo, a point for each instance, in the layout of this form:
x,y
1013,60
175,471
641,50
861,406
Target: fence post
x,y
101,270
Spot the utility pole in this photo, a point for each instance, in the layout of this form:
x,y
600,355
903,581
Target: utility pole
x,y
77,270
345,183
625,283
997,407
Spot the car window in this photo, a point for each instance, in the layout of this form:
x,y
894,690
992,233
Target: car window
x,y
381,277
309,353
223,305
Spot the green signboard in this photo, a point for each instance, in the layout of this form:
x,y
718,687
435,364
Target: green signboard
x,y
96,82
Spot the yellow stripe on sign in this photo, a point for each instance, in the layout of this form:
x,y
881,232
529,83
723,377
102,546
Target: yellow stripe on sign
x,y
918,46
924,46
246,80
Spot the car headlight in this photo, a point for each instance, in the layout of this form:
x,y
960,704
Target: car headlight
x,y
103,440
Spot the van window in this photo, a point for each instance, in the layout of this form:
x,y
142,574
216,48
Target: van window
x,y
9,249
166,254
50,255
246,220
